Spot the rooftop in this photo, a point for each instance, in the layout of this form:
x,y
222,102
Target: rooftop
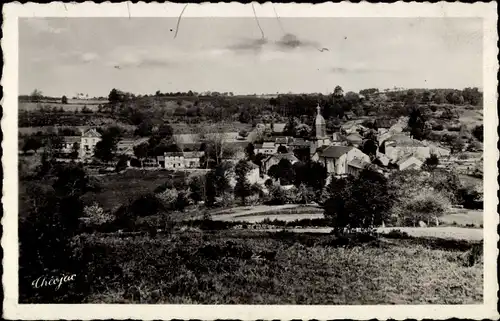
x,y
334,151
279,157
404,140
91,133
358,163
72,139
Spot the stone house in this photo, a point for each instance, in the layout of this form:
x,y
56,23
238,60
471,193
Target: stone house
x,y
89,140
409,162
267,148
355,166
275,159
400,145
336,158
180,160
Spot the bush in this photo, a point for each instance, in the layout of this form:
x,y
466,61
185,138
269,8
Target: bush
x,y
95,215
277,195
168,197
438,127
473,255
302,194
397,234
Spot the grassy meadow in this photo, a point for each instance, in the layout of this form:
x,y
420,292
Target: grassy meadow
x,y
118,189
242,267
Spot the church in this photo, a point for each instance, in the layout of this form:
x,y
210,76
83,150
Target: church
x,y
321,138
337,158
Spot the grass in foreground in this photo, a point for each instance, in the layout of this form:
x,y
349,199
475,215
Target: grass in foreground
x,y
238,267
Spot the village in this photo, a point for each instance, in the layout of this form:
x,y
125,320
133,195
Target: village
x,y
339,152
329,164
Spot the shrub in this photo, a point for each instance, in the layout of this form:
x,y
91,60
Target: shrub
x,y
473,255
302,195
438,127
397,234
168,197
277,195
95,215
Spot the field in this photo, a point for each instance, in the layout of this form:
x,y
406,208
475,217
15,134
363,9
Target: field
x,y
471,118
72,104
463,217
118,189
229,267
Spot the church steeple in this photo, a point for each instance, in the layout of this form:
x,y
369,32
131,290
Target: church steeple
x,y
320,124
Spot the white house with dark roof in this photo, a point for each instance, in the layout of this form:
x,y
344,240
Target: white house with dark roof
x,y
336,158
88,141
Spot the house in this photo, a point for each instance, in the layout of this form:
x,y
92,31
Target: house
x,y
349,115
276,158
126,146
174,160
267,148
409,162
68,144
352,126
89,140
354,139
150,162
336,158
399,145
192,159
278,128
437,150
355,166
298,143
384,123
253,175
180,160
338,139
382,159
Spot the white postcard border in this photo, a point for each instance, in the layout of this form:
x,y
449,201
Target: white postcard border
x,y
13,310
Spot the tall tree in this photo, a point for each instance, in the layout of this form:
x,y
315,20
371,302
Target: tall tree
x,y
242,188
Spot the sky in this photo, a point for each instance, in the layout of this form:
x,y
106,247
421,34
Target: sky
x,y
65,56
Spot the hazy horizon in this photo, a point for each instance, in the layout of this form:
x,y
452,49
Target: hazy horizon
x,y
65,56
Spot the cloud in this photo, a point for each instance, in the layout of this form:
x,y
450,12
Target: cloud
x,y
291,41
139,59
252,45
88,57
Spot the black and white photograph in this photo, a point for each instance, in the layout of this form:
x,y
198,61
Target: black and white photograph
x,y
263,158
